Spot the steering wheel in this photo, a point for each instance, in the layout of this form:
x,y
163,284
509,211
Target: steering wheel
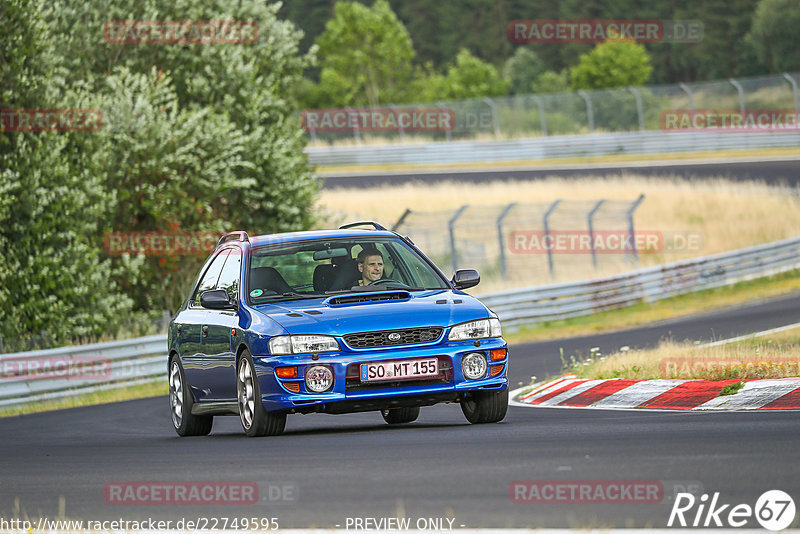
x,y
383,280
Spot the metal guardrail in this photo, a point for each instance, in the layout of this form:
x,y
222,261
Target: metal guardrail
x,y
34,376
29,377
574,299
540,148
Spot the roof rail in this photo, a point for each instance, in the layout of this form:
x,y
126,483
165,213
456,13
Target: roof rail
x,y
374,225
234,236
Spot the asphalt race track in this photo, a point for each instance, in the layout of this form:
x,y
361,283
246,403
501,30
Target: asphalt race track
x,y
771,171
326,469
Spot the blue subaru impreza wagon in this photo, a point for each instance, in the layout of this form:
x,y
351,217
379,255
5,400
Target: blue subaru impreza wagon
x,y
331,321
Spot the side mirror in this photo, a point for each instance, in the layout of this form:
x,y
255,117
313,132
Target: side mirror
x,y
465,278
217,299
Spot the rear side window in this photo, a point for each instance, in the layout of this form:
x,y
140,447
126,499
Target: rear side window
x,y
209,280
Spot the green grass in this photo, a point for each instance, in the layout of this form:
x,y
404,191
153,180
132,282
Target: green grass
x,y
141,391
649,312
731,389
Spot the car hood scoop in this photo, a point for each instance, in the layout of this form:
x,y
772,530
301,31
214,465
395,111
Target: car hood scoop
x,y
368,298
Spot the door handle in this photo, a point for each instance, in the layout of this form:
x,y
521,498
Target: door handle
x,y
205,330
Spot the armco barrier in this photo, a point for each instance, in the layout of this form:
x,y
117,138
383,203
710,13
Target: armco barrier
x,y
143,359
99,366
540,148
574,299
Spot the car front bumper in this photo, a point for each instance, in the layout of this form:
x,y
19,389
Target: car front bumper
x,y
349,394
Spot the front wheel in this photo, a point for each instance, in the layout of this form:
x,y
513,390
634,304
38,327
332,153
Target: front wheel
x,y
398,416
485,406
256,421
180,404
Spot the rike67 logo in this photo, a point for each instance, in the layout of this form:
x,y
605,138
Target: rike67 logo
x,y
774,510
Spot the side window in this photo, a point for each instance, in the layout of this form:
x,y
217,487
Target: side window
x,y
229,279
209,280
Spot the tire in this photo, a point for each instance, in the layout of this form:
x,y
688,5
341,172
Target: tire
x,y
398,416
485,406
180,403
256,421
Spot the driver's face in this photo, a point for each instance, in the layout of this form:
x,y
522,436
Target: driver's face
x,y
371,269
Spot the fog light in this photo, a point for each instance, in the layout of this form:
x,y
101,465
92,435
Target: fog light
x,y
474,366
319,378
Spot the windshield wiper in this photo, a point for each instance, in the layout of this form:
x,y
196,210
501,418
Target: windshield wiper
x,y
288,295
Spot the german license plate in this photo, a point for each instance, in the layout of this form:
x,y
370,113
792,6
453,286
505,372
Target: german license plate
x,y
399,370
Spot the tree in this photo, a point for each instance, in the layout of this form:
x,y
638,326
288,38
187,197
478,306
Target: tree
x,y
365,54
469,77
252,84
521,70
612,64
55,285
774,34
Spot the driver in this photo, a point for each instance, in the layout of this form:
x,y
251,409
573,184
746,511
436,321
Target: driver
x,y
370,265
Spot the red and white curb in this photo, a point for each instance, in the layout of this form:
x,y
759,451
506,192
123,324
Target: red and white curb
x,y
571,392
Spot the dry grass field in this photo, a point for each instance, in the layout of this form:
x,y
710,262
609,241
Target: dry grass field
x,y
772,356
726,215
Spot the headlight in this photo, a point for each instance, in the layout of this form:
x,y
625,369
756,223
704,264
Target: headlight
x,y
473,365
319,378
301,344
476,330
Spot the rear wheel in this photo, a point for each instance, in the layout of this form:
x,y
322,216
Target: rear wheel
x,y
180,403
398,416
256,421
485,406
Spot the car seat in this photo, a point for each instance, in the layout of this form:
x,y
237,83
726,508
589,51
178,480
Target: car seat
x,y
269,280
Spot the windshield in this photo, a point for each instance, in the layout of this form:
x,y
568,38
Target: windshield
x,y
320,267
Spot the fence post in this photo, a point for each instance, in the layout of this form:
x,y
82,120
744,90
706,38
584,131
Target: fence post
x,y
448,133
399,126
401,220
740,90
639,110
794,91
550,210
356,132
495,119
688,91
500,239
589,112
451,225
590,220
542,116
630,226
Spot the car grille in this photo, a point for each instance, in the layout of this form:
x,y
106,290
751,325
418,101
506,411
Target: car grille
x,y
407,336
353,381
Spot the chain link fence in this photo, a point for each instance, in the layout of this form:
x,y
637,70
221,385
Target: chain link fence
x,y
628,109
518,243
